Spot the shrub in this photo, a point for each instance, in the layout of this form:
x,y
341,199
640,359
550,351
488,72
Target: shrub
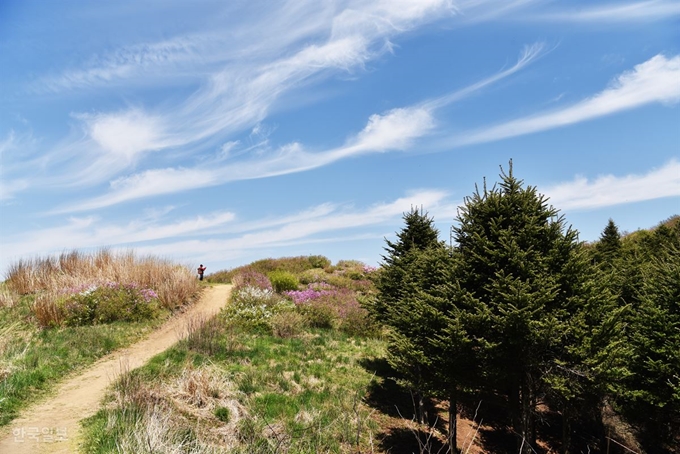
x,y
342,281
368,269
295,265
345,264
109,303
313,275
283,281
318,261
319,315
288,324
251,278
326,306
358,322
354,274
254,307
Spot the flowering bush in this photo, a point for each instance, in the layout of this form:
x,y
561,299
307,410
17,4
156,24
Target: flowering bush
x,y
254,307
329,300
312,292
325,306
92,304
251,278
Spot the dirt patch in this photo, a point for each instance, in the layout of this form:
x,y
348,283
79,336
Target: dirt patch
x,y
52,426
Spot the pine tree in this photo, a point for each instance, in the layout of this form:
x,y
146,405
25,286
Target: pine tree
x,y
418,233
517,267
608,248
400,278
650,393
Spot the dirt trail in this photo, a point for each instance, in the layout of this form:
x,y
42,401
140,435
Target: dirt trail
x,y
79,396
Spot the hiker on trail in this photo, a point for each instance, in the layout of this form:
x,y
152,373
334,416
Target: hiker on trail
x,y
201,269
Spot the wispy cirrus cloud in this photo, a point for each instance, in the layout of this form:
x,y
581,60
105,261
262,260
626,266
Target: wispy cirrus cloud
x,y
130,64
655,81
396,129
240,73
92,231
393,130
528,55
223,234
614,12
13,149
609,190
342,222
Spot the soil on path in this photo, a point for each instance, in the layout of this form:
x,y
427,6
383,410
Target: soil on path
x,y
79,397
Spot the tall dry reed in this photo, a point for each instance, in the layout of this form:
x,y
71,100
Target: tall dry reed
x,y
73,271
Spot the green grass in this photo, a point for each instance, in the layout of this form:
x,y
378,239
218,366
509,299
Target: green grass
x,y
302,394
32,360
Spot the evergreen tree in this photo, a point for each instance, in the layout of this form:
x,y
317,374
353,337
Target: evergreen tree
x,y
402,276
609,246
454,347
419,301
518,269
650,394
419,233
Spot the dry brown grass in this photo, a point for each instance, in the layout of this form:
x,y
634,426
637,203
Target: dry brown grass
x,y
46,310
164,411
174,284
13,345
8,297
156,432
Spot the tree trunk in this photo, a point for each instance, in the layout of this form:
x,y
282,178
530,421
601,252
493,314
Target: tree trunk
x,y
526,429
453,422
419,405
566,429
515,411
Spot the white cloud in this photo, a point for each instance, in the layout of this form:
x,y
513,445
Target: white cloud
x,y
146,184
616,12
222,234
240,71
395,129
12,149
135,62
10,187
528,55
610,190
656,80
127,134
93,232
303,229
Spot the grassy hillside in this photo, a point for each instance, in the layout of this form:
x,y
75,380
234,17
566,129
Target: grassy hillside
x,y
60,314
298,370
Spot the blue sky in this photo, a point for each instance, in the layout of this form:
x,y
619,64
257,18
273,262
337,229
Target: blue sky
x,y
224,132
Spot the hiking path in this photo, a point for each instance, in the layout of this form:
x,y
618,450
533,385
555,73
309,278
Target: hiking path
x,y
52,425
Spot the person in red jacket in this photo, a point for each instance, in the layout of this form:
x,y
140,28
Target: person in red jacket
x,y
201,269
